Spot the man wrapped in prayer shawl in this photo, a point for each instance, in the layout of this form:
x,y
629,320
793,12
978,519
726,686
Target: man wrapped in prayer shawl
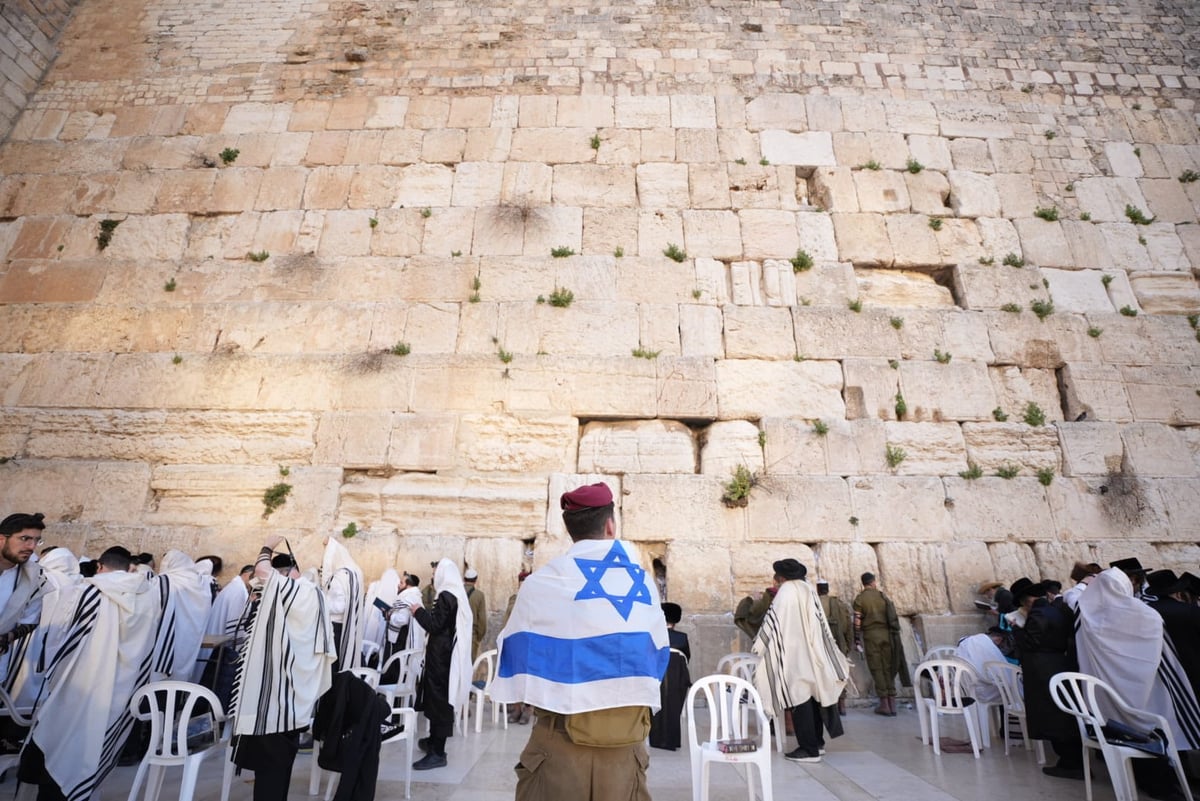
x,y
344,596
20,589
286,666
186,596
82,717
587,650
801,670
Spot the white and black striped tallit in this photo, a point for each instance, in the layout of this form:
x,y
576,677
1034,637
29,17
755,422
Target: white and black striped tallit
x,y
344,591
82,716
799,659
286,660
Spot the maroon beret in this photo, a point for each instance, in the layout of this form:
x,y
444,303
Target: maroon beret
x,y
589,497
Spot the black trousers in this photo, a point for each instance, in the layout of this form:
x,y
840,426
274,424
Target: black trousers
x,y
1070,753
271,757
808,728
32,770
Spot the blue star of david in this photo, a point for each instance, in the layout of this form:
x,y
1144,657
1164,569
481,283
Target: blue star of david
x,y
594,569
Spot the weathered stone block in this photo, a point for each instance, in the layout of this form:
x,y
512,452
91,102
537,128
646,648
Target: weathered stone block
x,y
881,191
715,234
871,388
1163,394
1011,560
913,576
968,565
1166,293
1043,243
517,443
727,444
804,509
748,388
956,391
928,193
1090,449
900,508
809,149
1095,392
769,234
996,445
76,491
1016,388
863,239
678,508
642,446
902,288
1115,507
759,332
1105,199
973,195
992,509
1078,291
783,111
832,189
929,448
1156,450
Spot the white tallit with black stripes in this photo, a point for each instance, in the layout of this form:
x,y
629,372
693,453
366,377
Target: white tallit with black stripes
x,y
344,596
186,596
82,717
1122,642
798,657
286,660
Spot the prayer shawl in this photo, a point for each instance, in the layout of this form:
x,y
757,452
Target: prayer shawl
x,y
27,590
82,717
1120,640
286,661
223,617
60,572
186,597
798,657
344,589
446,578
579,639
977,650
385,589
416,634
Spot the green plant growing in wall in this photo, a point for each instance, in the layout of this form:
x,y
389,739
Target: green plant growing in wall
x,y
276,495
901,406
1042,308
107,227
350,531
561,298
940,357
972,472
855,305
562,252
505,356
1012,260
1095,332
258,255
762,439
427,212
674,252
595,141
641,353
802,261
1136,215
999,415
895,456
1047,213
229,155
872,165
619,252
176,359
896,322
1011,308
169,286
1008,471
935,223
820,428
1189,177
1129,311
737,490
913,166
1034,416
1045,476
400,349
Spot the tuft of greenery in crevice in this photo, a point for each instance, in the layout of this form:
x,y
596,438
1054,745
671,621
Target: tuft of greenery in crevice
x,y
895,456
561,298
1129,311
1045,476
595,141
562,252
258,255
913,166
1008,471
942,358
1034,416
801,261
1189,177
855,305
1013,260
1047,213
1095,332
935,223
972,472
999,415
176,359
350,531
1136,215
276,495
229,155
619,252
400,349
820,428
1042,308
1106,279
737,490
641,353
107,227
1012,308
170,285
872,165
897,322
427,212
505,355
901,406
674,252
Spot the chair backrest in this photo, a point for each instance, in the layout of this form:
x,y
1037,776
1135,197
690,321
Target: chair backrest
x,y
949,679
681,654
744,668
1007,678
170,707
488,659
940,652
369,675
726,721
8,709
724,663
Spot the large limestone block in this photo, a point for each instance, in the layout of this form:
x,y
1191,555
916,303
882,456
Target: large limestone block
x,y
781,111
745,280
686,387
1168,200
1012,560
759,332
1166,247
900,508
928,193
959,390
658,327
752,388
700,331
971,119
823,333
914,242
425,185
1105,199
526,185
808,149
929,448
973,194
1166,293
1017,196
881,191
169,436
902,288
588,328
1181,496
1088,248
713,234
219,495
70,491
793,447
805,509
1146,340
752,562
160,237
871,389
1043,243
991,509
996,445
1117,506
1095,392
726,444
605,230
1056,559
666,508
968,565
778,283
913,576
1016,388
477,183
637,446
1050,343
662,185
1090,449
863,239
828,284
1126,244
552,145
832,189
1179,557
1156,450
687,564
418,503
422,441
1078,291
842,564
657,231
979,286
816,236
1163,394
526,443
556,226
768,234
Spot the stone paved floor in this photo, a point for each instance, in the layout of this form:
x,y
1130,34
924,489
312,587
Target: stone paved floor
x,y
879,758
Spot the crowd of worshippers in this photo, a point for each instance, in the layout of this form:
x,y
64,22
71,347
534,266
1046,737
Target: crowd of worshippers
x,y
1138,630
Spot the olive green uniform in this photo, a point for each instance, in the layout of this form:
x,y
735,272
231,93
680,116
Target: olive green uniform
x,y
841,624
590,756
478,619
871,605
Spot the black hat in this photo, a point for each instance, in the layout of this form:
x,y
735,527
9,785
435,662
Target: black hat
x,y
790,569
1193,583
282,561
1025,587
1052,586
1165,582
1130,565
19,522
672,612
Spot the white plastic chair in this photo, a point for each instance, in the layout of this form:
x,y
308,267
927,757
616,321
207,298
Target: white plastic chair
x,y
744,668
408,718
369,649
171,704
1080,695
369,675
727,722
9,710
940,652
404,690
479,695
725,663
949,680
1007,678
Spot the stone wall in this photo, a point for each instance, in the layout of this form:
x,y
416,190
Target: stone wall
x,y
29,30
911,288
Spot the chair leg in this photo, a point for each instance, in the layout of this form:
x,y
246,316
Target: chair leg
x,y
972,721
314,774
1087,772
331,788
227,779
187,785
764,774
983,717
138,778
933,732
1177,760
704,772
1040,747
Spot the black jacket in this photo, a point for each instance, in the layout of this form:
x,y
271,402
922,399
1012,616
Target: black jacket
x,y
1047,647
1182,623
347,724
433,693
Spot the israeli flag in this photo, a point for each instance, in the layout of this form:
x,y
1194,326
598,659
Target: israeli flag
x,y
587,632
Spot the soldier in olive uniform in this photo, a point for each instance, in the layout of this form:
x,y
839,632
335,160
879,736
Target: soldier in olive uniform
x,y
841,625
875,618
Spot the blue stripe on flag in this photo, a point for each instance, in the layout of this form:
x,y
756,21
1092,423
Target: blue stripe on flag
x,y
578,661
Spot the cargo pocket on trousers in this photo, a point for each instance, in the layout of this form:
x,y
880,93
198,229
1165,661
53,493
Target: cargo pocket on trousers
x,y
527,768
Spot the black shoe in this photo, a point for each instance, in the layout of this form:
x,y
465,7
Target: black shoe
x,y
430,761
423,744
1064,773
800,755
